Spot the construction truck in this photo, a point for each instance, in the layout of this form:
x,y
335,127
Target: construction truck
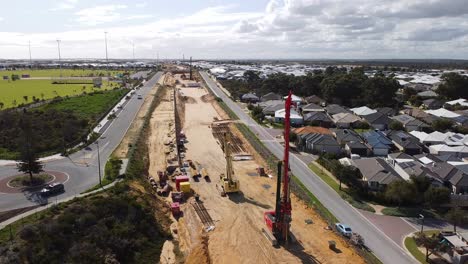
x,y
278,221
228,183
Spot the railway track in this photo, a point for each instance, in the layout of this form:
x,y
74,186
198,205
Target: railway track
x,y
218,131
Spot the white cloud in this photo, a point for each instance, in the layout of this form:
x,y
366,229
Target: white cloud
x,y
141,5
1,18
65,5
284,29
99,14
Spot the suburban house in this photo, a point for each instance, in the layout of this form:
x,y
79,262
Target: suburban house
x,y
460,102
334,109
457,151
378,141
270,97
378,120
406,166
249,98
421,115
311,107
442,112
427,94
314,100
352,142
363,110
387,111
410,123
405,142
318,119
311,129
295,99
318,143
295,117
432,103
376,173
345,120
451,176
271,109
358,148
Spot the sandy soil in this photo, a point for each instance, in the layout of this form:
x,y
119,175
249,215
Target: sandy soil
x,y
237,237
121,151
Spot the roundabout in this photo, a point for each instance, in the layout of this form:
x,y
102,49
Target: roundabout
x,y
13,184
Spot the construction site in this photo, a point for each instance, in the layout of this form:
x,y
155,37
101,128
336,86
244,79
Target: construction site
x,y
224,204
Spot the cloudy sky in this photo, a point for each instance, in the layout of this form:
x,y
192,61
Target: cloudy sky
x,y
218,29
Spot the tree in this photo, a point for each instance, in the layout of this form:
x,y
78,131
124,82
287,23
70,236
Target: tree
x,y
442,124
436,196
25,97
431,244
29,162
455,216
396,125
400,192
1,105
453,86
379,90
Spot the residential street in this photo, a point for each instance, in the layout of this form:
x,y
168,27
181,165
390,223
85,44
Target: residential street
x,y
384,247
80,168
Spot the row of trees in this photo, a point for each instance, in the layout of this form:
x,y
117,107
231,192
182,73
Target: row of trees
x,y
353,88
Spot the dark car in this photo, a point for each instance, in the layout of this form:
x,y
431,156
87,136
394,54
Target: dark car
x,y
52,188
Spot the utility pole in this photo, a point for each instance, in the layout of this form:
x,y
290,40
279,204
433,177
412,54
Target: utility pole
x,y
30,57
99,163
60,58
107,58
421,216
191,68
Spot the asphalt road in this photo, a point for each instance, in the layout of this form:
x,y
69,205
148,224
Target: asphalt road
x,y
383,247
82,166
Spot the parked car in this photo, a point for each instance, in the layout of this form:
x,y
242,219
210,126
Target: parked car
x,y
139,96
343,229
52,188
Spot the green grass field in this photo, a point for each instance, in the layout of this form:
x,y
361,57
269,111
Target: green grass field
x,y
65,73
90,106
42,89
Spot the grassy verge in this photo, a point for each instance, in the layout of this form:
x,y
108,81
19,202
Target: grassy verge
x,y
111,173
24,180
412,247
228,110
336,186
409,212
315,202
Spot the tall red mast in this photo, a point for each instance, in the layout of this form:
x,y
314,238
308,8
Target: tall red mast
x,y
285,217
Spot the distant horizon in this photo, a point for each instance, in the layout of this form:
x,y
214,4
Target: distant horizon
x,y
239,59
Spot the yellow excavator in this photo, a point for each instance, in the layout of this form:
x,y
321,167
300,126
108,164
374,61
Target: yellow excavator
x,y
228,183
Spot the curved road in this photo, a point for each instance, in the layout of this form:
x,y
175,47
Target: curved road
x,y
82,166
383,247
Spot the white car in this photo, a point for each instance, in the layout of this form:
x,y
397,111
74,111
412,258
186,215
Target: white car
x,y
343,229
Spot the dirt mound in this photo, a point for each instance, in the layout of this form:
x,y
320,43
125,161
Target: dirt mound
x,y
189,100
207,98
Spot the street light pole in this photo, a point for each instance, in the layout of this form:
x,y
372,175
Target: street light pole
x,y
107,58
60,58
422,222
99,163
30,57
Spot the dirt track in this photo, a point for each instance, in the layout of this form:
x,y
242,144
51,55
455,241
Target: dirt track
x,y
238,219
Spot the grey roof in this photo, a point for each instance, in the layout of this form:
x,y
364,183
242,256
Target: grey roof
x,y
427,94
314,99
377,119
346,135
400,155
273,108
386,110
414,168
322,139
317,116
404,119
443,170
433,103
345,118
271,96
377,139
405,140
312,107
377,170
264,104
459,179
333,109
356,145
249,96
